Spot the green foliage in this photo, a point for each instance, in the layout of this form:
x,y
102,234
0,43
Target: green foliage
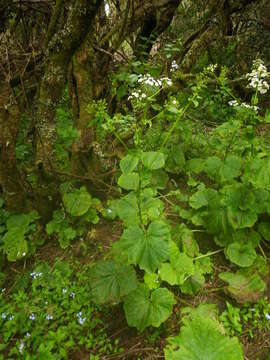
x,y
247,318
144,308
52,316
17,234
71,221
110,281
247,284
66,134
201,337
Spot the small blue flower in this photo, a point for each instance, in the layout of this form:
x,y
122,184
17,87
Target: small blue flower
x,y
32,316
80,318
72,295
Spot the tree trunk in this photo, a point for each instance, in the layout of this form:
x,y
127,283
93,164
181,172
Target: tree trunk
x,y
10,180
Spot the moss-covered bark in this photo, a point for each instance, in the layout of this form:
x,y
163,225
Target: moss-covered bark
x,y
61,48
10,180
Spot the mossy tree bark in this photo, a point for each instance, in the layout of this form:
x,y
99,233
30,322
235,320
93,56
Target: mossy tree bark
x,y
62,46
10,180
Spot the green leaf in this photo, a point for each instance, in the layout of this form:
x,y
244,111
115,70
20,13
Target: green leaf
x,y
244,285
242,255
143,308
127,209
264,230
147,249
231,168
212,166
109,281
204,197
175,161
258,173
151,280
129,181
201,338
153,160
129,163
15,245
195,165
77,202
193,284
241,219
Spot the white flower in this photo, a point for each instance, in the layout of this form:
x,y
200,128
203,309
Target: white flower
x,y
174,102
3,290
257,77
174,66
21,346
35,274
49,317
233,103
72,295
267,316
3,315
64,290
211,67
11,317
28,334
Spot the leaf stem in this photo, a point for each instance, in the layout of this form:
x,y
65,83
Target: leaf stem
x,y
181,113
208,254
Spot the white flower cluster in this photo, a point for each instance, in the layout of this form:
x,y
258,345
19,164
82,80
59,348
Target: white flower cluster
x,y
174,66
236,103
35,274
257,77
137,95
150,80
211,67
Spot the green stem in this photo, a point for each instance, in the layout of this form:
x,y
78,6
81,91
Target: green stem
x,y
139,199
208,254
177,122
119,138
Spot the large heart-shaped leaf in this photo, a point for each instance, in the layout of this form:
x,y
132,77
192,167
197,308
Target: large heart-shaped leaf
x,y
258,173
127,209
201,338
243,255
110,281
153,160
246,284
129,163
179,269
129,181
264,229
143,308
147,249
77,202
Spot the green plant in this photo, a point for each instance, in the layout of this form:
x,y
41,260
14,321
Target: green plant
x,y
246,319
51,314
201,337
17,233
79,209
